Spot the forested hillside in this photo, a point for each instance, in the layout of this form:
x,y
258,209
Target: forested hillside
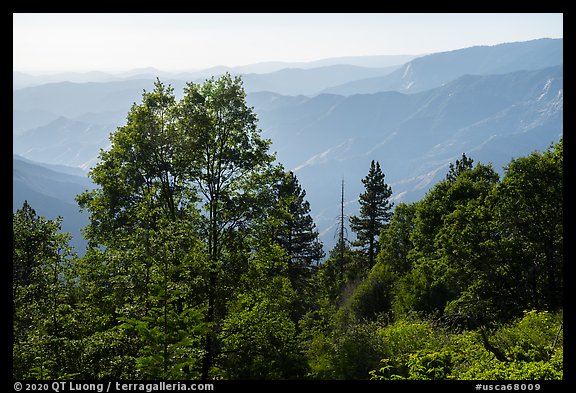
x,y
204,262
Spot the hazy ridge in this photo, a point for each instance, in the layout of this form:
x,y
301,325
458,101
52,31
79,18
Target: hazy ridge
x,y
327,120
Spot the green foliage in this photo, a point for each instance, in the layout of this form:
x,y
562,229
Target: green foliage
x,y
44,331
230,164
203,263
465,256
169,343
476,246
316,327
465,164
375,213
296,233
409,335
534,337
529,207
410,351
533,343
421,350
356,351
348,352
332,274
186,190
373,296
395,242
109,354
258,335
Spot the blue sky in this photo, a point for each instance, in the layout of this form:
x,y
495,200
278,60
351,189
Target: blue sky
x,y
52,42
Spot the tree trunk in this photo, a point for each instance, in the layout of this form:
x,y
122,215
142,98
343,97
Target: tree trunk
x,y
209,345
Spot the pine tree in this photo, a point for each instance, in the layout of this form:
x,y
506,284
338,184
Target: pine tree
x,y
298,234
462,165
375,212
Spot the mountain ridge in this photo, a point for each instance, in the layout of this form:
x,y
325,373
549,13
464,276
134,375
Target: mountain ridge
x,y
51,193
435,69
22,79
327,137
469,115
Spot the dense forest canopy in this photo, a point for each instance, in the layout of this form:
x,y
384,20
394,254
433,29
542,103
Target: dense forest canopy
x,y
204,263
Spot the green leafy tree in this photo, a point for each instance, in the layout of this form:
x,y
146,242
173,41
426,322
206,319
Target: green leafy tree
x,y
357,350
43,328
505,248
171,329
478,278
227,157
187,190
395,241
375,212
143,235
434,278
468,259
528,206
258,336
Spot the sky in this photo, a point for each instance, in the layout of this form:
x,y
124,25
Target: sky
x,y
116,42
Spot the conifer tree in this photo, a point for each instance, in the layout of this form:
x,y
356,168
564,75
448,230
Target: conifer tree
x,y
375,212
341,244
456,169
298,234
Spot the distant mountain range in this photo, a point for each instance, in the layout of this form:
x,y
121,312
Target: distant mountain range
x,y
107,103
437,69
50,190
414,136
327,122
21,80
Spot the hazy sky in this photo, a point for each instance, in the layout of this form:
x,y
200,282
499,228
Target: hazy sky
x,y
53,42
